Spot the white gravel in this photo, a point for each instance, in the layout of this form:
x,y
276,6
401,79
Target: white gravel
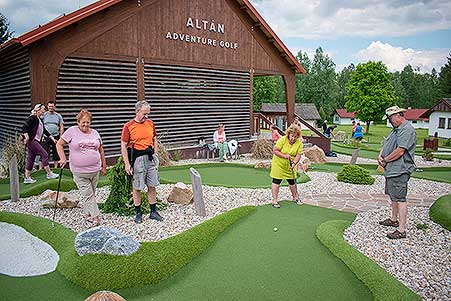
x,y
22,254
422,261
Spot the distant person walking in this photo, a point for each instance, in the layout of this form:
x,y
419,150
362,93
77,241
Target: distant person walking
x,y
354,125
54,124
358,133
86,161
220,140
397,157
139,151
324,126
329,131
286,156
33,129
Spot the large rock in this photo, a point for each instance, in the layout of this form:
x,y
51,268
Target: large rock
x,y
181,194
104,240
315,154
105,296
64,201
340,136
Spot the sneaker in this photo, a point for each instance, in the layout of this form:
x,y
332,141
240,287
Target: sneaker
x,y
29,180
156,216
397,235
389,223
138,218
276,205
52,175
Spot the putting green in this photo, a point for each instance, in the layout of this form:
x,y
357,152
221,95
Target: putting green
x,y
223,174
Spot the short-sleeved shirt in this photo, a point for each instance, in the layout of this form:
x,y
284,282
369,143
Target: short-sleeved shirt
x,y
403,136
52,122
280,167
84,155
140,135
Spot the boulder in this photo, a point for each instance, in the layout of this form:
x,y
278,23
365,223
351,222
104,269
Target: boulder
x,y
105,296
181,194
340,136
315,154
105,240
263,165
64,200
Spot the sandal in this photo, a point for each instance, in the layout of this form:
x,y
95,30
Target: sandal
x,y
389,223
276,205
92,222
397,235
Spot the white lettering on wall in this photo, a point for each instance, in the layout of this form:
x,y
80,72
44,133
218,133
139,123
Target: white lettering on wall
x,y
203,24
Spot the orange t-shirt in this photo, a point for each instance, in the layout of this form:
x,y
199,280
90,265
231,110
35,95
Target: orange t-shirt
x,y
141,135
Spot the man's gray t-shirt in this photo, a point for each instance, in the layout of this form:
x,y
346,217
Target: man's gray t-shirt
x,y
403,136
52,122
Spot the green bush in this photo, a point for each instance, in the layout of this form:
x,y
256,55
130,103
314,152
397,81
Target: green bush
x,y
13,146
440,211
428,155
355,174
120,200
447,142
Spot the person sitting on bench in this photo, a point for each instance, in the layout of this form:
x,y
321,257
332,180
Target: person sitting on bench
x,y
219,138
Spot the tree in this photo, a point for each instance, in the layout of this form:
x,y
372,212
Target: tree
x,y
445,78
264,91
342,80
303,92
370,92
5,33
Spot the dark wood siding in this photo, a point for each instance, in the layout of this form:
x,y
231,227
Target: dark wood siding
x,y
15,92
188,103
107,88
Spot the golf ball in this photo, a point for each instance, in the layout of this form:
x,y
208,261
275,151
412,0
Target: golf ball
x,y
275,229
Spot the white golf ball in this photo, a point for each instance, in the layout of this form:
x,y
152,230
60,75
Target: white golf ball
x,y
275,229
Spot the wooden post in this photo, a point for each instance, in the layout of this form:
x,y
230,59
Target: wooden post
x,y
355,155
14,179
196,181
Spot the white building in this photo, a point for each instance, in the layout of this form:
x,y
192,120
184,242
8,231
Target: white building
x,y
439,118
341,116
414,116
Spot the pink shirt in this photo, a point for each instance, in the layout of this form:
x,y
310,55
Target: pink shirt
x,y
84,155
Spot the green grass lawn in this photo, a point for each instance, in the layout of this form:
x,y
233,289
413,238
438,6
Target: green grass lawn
x,y
223,174
440,211
42,184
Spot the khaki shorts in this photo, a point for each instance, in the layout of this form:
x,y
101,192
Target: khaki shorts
x,y
396,187
145,172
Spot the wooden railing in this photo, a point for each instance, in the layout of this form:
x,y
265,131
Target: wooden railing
x,y
263,122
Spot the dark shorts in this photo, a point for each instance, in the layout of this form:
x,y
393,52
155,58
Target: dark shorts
x,y
50,147
278,181
396,187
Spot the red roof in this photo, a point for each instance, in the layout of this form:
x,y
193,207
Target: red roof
x,y
65,20
414,114
345,114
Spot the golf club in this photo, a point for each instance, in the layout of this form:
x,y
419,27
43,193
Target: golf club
x,y
295,184
57,195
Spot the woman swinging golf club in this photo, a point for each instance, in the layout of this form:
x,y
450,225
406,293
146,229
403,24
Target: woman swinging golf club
x,y
286,156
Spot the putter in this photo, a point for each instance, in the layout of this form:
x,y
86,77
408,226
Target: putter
x,y
57,195
295,184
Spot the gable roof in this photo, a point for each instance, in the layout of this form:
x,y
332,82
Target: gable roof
x,y
345,114
443,105
306,111
66,20
414,114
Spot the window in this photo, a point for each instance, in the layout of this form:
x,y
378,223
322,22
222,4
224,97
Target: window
x,y
449,123
441,123
414,121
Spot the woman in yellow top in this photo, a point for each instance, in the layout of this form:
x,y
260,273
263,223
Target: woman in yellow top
x,y
286,155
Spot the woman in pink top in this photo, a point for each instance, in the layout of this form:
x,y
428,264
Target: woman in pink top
x,y
86,161
220,140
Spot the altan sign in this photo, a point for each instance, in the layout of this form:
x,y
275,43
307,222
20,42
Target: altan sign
x,y
202,25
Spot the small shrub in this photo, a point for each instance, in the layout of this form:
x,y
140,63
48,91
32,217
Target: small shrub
x,y
262,148
163,154
447,142
177,155
355,174
13,146
422,226
120,200
428,155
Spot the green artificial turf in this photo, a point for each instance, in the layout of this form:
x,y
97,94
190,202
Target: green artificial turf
x,y
153,262
440,211
43,184
253,262
223,174
382,284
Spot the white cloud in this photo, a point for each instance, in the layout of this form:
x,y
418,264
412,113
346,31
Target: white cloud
x,y
358,18
396,58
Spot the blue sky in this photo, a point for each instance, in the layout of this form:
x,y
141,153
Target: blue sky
x,y
397,32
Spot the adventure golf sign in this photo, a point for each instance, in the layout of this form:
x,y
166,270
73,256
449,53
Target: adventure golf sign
x,y
196,38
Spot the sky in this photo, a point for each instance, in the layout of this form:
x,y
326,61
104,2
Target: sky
x,y
396,32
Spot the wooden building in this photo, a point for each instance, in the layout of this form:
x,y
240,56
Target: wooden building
x,y
194,61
